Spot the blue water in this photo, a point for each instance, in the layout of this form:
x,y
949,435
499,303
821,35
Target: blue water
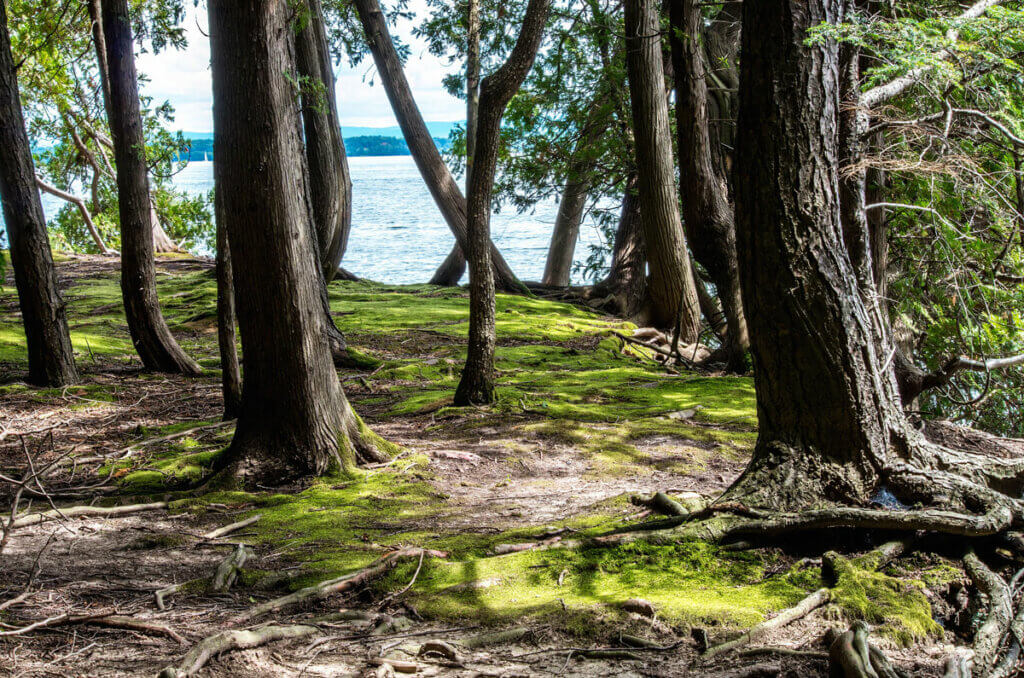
x,y
398,234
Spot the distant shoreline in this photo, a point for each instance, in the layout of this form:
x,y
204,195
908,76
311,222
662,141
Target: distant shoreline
x,y
355,147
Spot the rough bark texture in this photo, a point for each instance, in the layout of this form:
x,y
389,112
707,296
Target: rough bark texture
x,y
558,267
231,378
51,360
626,282
671,286
827,408
152,339
435,173
294,418
707,213
497,89
330,185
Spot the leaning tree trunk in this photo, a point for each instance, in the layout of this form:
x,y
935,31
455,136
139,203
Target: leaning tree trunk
x,y
294,419
477,383
161,241
827,406
672,289
626,282
330,185
707,214
326,165
558,267
231,378
435,173
51,360
152,338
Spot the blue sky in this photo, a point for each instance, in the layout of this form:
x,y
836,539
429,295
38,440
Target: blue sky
x,y
183,78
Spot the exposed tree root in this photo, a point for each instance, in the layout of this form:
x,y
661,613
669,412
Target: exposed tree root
x,y
851,655
332,586
226,641
228,570
1000,612
108,619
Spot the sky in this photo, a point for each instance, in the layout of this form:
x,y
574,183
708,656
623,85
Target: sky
x,y
183,78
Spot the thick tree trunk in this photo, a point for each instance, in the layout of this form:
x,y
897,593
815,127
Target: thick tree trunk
x,y
161,241
330,185
51,360
294,419
472,83
671,285
707,214
828,411
626,282
477,383
435,173
558,267
152,338
231,378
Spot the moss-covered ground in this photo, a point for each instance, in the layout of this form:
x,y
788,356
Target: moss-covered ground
x,y
583,421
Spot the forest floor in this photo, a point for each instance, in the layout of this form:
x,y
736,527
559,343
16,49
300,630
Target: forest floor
x,y
584,422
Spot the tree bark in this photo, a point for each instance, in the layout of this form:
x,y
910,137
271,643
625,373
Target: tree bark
x,y
477,383
231,378
828,409
294,419
707,214
330,184
435,173
152,338
51,360
671,286
472,83
626,282
558,267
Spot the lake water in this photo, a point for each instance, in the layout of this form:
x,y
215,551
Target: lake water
x,y
398,234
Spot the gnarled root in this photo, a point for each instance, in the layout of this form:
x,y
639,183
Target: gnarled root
x,y
225,641
851,655
1000,612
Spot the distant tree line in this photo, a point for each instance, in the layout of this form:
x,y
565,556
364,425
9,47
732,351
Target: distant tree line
x,y
361,146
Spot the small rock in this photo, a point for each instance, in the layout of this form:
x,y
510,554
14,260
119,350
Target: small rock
x,y
639,606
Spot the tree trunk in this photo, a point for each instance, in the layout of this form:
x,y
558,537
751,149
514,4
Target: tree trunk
x,y
558,267
435,173
330,185
161,241
472,83
707,214
827,405
294,419
451,270
231,378
477,383
626,282
152,338
671,286
51,360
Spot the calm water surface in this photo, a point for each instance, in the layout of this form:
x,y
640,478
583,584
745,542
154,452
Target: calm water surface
x,y
398,234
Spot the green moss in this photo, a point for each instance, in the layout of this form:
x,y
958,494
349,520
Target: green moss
x,y
898,606
688,583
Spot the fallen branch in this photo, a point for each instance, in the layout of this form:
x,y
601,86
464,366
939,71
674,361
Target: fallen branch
x,y
332,586
798,611
233,527
81,511
226,641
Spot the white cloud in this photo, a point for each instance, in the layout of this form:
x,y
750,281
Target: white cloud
x,y
183,78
